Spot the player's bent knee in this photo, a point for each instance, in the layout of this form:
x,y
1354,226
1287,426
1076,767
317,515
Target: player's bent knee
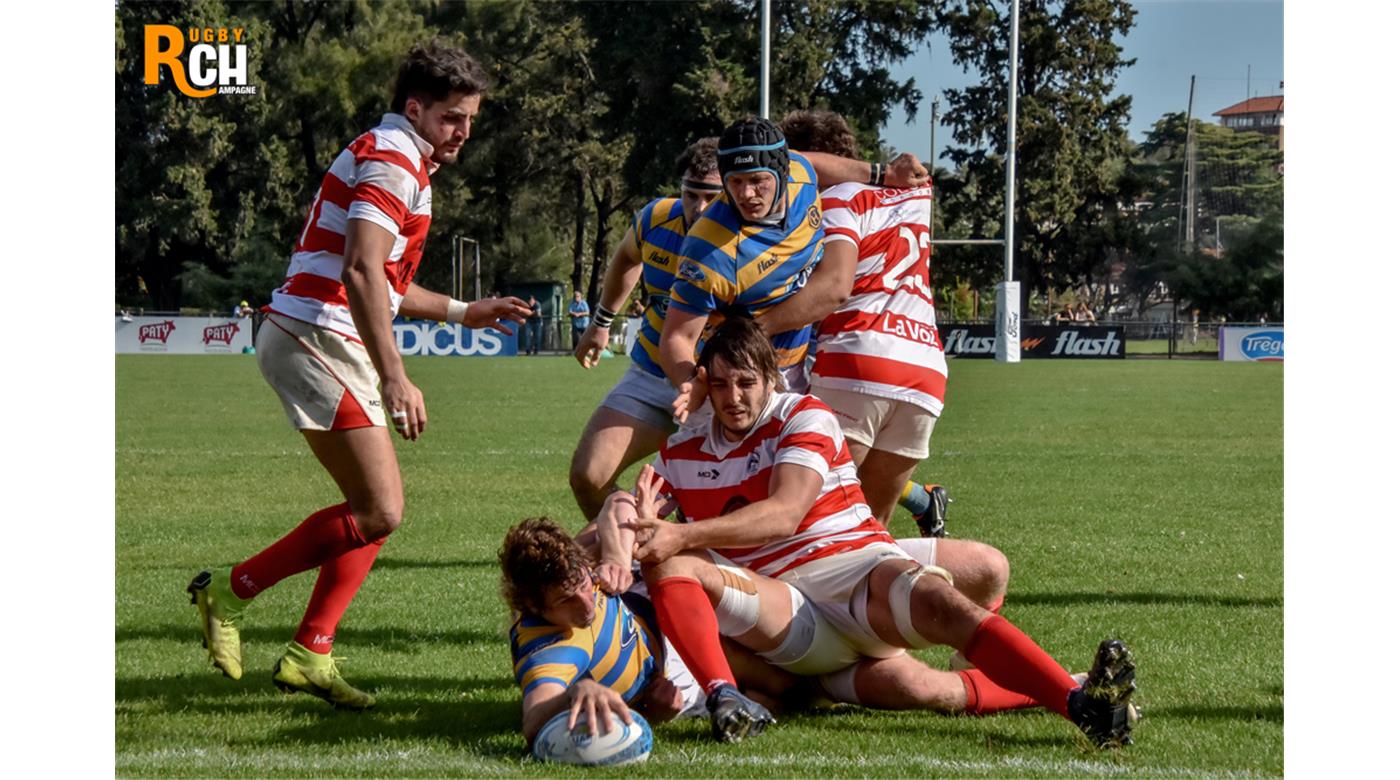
x,y
901,601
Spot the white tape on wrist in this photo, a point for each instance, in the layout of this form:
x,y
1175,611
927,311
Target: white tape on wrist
x,y
457,310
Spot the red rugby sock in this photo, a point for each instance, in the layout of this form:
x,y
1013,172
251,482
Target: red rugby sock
x,y
1014,661
327,534
336,585
688,619
985,697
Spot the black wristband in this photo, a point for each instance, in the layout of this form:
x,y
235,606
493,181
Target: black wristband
x,y
874,174
603,317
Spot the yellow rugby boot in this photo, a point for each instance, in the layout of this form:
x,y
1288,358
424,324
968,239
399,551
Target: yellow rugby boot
x,y
300,669
219,613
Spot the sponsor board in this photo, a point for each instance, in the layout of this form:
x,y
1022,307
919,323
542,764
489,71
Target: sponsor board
x,y
183,335
1256,345
1036,341
417,337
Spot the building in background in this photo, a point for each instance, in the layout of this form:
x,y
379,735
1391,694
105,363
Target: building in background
x,y
1256,115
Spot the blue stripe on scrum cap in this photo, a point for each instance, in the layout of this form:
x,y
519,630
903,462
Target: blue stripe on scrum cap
x,y
764,148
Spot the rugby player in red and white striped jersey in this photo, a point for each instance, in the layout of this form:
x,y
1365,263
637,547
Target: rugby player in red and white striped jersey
x,y
778,551
879,361
327,348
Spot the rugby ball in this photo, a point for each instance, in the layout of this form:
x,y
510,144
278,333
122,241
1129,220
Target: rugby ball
x,y
623,745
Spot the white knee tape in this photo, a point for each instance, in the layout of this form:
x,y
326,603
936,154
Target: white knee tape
x,y
840,686
737,611
902,594
801,632
925,551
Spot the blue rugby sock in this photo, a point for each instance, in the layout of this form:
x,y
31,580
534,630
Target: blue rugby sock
x,y
914,498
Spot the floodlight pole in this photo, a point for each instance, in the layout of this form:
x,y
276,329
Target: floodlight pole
x,y
1008,345
763,64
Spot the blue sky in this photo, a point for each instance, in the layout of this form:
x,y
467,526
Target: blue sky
x,y
1217,40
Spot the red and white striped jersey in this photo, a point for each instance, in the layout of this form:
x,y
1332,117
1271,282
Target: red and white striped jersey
x,y
709,476
883,340
382,177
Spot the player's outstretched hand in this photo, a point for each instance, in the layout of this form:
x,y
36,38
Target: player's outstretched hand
x,y
691,396
591,346
488,313
403,402
591,701
906,171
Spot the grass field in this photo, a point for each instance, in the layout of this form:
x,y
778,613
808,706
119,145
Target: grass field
x,y
1139,499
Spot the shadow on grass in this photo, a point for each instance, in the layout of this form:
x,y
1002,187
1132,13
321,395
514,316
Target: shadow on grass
x,y
1269,712
394,639
479,713
1166,599
411,563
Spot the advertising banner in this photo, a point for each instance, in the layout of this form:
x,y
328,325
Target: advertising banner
x,y
418,337
183,335
1258,345
1037,341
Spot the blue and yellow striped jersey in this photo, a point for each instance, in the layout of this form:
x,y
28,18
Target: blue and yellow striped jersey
x,y
726,262
619,650
659,229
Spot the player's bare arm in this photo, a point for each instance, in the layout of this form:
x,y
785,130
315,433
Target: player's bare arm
x,y
367,246
485,313
792,491
679,335
828,288
904,171
622,276
586,700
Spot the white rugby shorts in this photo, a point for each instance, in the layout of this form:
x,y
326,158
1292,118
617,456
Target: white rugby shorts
x,y
326,381
884,424
837,587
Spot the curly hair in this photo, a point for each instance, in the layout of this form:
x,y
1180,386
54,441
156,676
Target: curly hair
x,y
700,159
818,130
536,554
434,70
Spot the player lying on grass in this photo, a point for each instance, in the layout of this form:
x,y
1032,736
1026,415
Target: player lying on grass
x,y
583,642
586,637
778,550
634,418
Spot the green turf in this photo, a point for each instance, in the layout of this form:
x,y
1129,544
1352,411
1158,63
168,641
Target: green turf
x,y
1140,499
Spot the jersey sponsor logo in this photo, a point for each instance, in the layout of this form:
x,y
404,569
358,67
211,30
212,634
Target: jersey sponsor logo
x,y
1071,343
219,54
908,329
691,272
771,261
708,473
1263,346
659,259
156,331
220,334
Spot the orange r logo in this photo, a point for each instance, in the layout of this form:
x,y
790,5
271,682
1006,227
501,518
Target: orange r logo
x,y
174,42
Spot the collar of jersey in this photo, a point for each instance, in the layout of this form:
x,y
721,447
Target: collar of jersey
x,y
401,122
720,447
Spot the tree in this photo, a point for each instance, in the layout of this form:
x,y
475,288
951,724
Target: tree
x,y
1071,136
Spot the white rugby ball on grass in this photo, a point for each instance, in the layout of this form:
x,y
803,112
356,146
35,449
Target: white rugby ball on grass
x,y
623,745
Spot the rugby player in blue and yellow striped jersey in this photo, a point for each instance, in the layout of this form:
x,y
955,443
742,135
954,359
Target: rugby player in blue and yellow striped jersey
x,y
751,250
576,645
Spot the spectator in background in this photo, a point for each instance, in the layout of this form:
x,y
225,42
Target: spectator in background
x,y
1065,315
578,311
1082,314
532,327
242,310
